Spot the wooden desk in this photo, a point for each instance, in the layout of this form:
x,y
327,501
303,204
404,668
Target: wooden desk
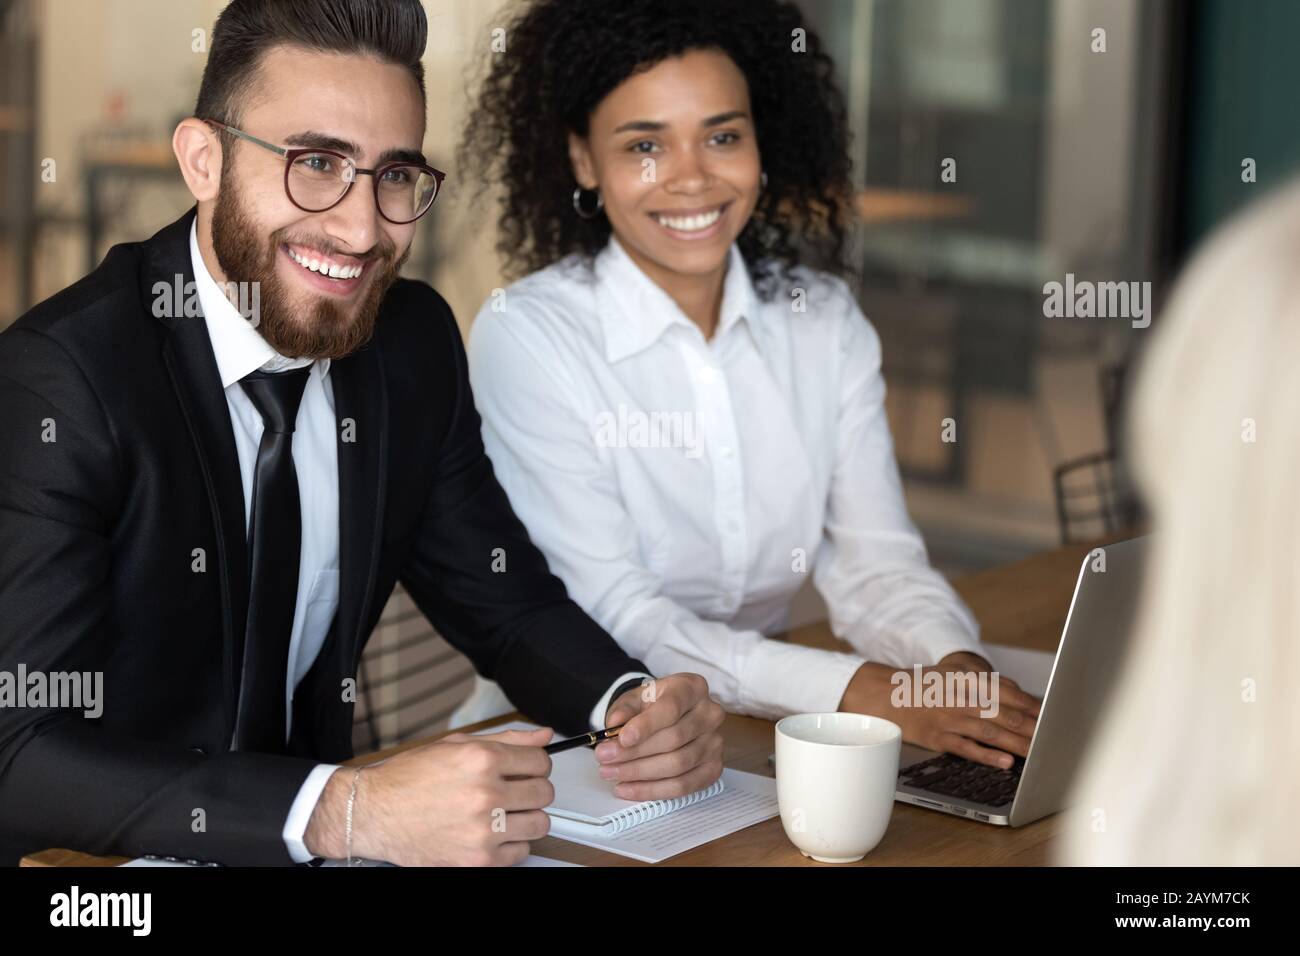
x,y
1022,604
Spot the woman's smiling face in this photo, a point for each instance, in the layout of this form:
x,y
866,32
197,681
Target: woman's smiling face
x,y
674,155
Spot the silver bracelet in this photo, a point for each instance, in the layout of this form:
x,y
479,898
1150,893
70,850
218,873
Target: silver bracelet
x,y
352,797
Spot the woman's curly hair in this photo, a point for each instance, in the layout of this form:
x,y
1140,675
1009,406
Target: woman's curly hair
x,y
564,56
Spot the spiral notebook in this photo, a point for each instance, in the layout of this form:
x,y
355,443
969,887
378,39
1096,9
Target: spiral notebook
x,y
585,804
586,810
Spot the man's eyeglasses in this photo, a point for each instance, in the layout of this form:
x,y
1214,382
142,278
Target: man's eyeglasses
x,y
317,179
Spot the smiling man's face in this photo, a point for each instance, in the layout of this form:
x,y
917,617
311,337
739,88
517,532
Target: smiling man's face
x,y
307,98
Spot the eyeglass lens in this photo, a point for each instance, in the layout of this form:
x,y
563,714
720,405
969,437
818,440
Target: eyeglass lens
x,y
317,181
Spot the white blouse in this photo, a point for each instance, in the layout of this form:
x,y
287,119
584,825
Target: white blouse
x,y
684,488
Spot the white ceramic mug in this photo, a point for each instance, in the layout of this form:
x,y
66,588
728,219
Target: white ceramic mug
x,y
835,781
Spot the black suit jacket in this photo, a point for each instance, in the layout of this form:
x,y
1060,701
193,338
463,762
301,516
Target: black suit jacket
x,y
98,535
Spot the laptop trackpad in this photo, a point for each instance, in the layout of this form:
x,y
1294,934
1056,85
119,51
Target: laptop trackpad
x,y
912,754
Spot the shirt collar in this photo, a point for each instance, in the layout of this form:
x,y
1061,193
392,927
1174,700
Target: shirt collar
x,y
238,346
635,310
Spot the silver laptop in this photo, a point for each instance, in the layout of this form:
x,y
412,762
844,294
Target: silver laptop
x,y
1087,661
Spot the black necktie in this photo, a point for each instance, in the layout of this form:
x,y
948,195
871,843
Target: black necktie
x,y
274,534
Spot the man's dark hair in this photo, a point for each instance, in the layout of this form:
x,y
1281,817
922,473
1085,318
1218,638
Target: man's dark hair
x,y
393,30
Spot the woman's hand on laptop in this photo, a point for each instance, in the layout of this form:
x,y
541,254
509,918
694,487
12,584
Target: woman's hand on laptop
x,y
986,731
670,744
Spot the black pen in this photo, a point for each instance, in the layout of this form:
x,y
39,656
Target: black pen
x,y
586,740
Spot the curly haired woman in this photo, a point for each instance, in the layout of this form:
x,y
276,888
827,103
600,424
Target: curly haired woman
x,y
681,396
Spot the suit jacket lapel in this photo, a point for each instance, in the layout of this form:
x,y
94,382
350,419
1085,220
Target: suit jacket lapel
x,y
192,365
361,407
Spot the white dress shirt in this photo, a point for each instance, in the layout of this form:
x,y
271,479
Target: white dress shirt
x,y
772,460
240,349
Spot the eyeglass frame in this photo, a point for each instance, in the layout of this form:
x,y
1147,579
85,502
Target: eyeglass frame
x,y
289,154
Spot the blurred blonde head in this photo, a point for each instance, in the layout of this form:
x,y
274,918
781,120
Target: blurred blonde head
x,y
1197,758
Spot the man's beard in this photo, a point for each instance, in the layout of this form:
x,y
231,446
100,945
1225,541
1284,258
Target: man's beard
x,y
327,331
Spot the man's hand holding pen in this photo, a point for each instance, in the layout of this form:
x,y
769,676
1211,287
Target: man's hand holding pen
x,y
479,799
670,743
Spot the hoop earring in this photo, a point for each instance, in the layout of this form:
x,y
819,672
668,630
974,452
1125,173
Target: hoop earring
x,y
577,203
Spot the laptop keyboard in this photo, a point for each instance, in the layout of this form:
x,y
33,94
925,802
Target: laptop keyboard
x,y
954,776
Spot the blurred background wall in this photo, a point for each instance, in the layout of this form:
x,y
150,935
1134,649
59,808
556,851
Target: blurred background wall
x,y
1108,164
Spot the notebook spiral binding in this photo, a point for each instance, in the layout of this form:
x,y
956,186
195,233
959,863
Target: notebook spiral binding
x,y
652,809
